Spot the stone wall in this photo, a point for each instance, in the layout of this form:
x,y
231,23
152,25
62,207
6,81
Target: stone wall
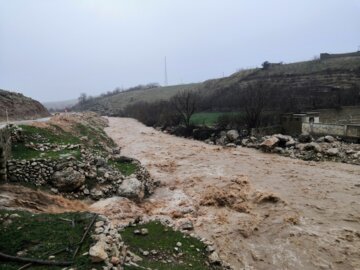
x,y
350,131
324,56
262,131
5,151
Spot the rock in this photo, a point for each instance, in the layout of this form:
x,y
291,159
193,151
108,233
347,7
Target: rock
x,y
115,260
146,253
269,144
329,139
231,145
144,231
290,143
68,179
244,142
332,152
100,162
312,146
178,244
99,224
283,138
232,135
14,216
186,225
214,258
131,188
134,257
97,252
305,138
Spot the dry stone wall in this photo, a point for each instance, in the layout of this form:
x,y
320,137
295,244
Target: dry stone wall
x,y
5,149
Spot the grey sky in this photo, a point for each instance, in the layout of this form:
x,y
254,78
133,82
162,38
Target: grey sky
x,y
55,49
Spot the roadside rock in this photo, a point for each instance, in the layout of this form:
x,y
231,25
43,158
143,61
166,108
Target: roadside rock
x,y
305,138
232,135
329,139
313,146
131,188
269,144
68,179
332,152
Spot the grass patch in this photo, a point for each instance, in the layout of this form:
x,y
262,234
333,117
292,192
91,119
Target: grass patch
x,y
163,240
48,135
208,118
20,151
95,135
43,234
126,168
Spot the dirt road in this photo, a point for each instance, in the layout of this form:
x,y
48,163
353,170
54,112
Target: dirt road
x,y
262,211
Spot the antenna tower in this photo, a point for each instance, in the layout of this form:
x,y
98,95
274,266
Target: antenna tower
x,y
166,76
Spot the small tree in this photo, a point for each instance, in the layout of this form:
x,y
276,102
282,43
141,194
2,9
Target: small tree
x,y
254,100
82,99
185,103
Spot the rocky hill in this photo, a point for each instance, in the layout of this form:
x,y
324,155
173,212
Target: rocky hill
x,y
20,107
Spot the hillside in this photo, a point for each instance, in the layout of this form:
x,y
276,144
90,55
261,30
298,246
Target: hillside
x,y
20,107
316,84
296,86
113,104
60,105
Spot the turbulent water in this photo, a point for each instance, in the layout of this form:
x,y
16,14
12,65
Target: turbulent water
x,y
263,211
22,198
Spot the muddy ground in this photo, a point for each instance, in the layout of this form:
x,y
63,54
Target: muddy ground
x,y
262,211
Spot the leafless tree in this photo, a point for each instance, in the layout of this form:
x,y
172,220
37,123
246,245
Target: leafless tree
x,y
185,104
254,97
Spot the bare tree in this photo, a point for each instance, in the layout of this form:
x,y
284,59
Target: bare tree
x,y
254,98
82,99
185,104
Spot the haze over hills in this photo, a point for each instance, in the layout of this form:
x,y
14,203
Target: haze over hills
x,y
320,83
60,105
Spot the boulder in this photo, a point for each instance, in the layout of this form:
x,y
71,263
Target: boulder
x,y
232,135
68,179
131,188
305,138
329,139
332,152
312,146
97,252
269,144
214,258
290,143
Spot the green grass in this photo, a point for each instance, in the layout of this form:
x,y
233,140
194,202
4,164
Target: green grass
x,y
163,240
49,135
208,118
44,234
126,168
20,151
96,135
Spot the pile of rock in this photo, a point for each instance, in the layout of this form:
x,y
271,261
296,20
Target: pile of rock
x,y
303,147
307,148
109,247
52,146
91,176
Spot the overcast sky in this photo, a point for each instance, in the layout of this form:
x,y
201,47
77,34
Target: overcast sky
x,y
55,49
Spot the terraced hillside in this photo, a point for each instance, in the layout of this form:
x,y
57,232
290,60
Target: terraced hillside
x,y
298,86
308,85
113,104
